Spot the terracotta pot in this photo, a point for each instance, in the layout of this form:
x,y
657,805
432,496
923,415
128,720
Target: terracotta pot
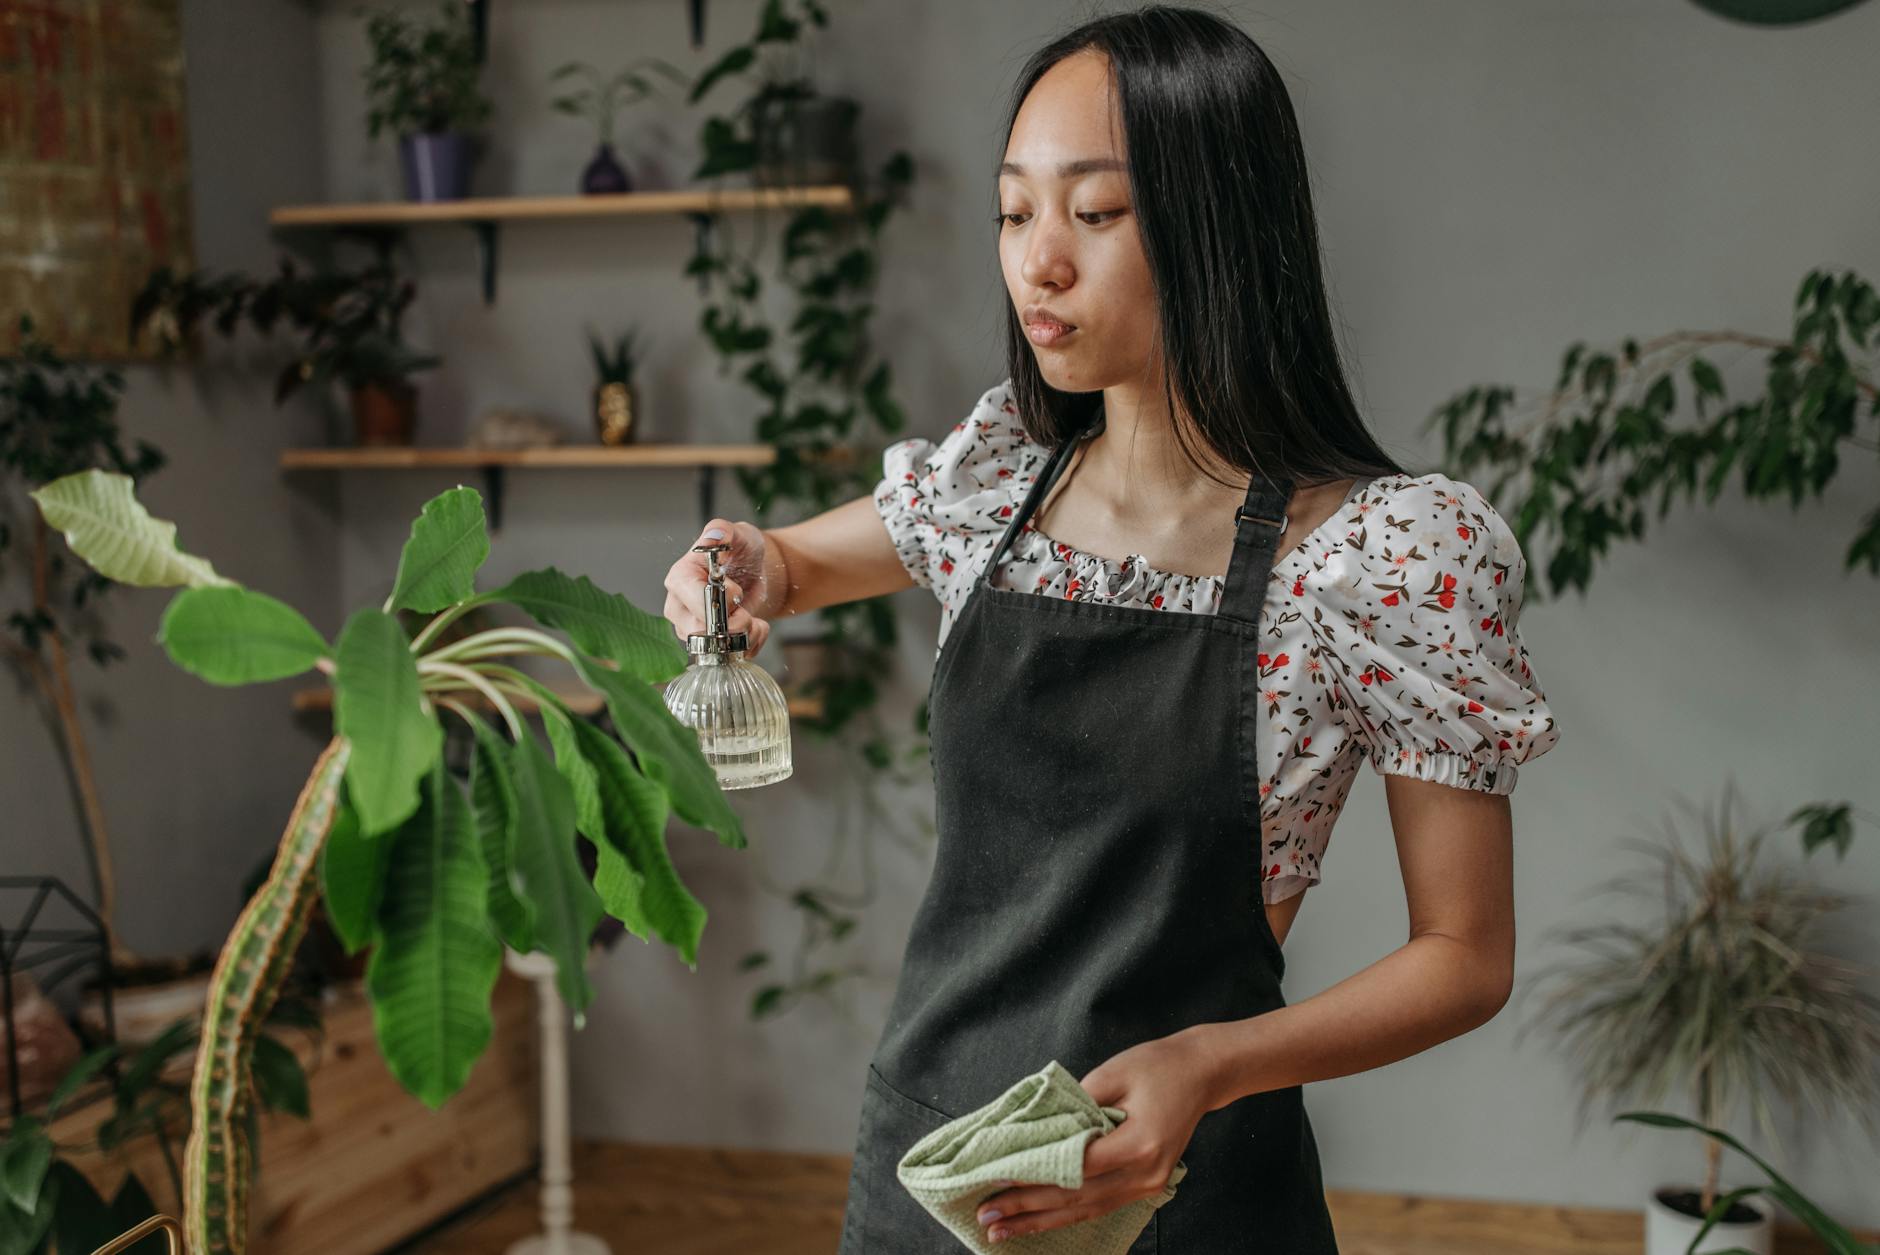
x,y
614,407
44,1044
384,412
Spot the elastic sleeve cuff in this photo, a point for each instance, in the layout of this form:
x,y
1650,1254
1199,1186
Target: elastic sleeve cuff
x,y
1444,767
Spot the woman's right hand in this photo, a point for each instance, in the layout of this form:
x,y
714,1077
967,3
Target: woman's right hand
x,y
744,583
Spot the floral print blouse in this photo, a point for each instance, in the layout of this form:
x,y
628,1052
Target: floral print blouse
x,y
1390,631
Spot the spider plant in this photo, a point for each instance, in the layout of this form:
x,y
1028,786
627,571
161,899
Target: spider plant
x,y
1720,994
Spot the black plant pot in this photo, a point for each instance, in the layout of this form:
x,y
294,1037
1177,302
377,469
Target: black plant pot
x,y
605,176
437,167
804,142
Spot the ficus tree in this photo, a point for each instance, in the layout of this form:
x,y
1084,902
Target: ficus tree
x,y
435,874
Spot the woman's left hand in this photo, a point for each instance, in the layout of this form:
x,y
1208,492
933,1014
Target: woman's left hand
x,y
1162,1086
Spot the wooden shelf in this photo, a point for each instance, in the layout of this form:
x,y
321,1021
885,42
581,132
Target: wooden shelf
x,y
382,220
581,701
565,456
533,208
704,458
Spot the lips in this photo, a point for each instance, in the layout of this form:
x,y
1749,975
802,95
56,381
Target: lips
x,y
1036,317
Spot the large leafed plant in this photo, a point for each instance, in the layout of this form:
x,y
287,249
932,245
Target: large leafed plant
x,y
434,874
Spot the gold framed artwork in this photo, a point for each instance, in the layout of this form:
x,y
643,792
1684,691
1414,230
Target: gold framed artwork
x,y
94,167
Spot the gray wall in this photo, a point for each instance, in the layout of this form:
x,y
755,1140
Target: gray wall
x,y
1493,181
197,782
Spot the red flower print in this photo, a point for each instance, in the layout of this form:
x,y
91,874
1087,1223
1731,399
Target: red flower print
x,y
1299,586
1304,743
1005,511
1156,601
1273,871
1009,408
1462,531
1493,621
1474,707
1004,471
946,566
1072,587
1391,600
1261,660
1502,744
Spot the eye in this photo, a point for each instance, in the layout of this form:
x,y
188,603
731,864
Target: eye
x,y
1002,219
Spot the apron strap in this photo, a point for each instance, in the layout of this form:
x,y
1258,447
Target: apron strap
x,y
1039,487
1257,527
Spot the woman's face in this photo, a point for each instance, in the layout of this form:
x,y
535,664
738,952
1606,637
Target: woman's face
x,y
1067,233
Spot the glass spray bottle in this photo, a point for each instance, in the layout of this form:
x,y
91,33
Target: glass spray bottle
x,y
738,710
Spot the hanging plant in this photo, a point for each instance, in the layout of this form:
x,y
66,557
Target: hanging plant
x,y
824,399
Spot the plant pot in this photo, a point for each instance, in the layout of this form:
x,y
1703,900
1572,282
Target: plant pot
x,y
615,405
804,142
384,412
437,166
1669,1227
43,1043
605,176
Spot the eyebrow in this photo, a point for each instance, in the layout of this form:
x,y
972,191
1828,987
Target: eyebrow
x,y
1068,169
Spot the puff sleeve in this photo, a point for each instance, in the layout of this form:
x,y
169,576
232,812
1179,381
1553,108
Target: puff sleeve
x,y
1422,608
946,504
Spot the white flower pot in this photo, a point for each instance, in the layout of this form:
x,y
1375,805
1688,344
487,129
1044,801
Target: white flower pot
x,y
1669,1231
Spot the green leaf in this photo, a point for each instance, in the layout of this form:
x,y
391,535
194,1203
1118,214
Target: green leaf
x,y
431,974
230,635
107,526
28,1153
601,623
633,871
352,877
378,707
493,796
732,62
82,1071
564,904
279,1078
667,750
439,564
22,1229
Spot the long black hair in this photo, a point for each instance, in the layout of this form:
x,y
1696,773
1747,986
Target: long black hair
x,y
1218,182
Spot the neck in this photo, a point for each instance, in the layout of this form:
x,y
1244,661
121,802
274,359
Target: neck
x,y
1137,466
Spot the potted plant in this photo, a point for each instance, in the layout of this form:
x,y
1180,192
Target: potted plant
x,y
435,878
1721,996
422,83
600,100
785,133
348,323
614,399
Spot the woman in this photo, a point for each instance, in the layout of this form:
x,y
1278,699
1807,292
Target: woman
x,y
1184,594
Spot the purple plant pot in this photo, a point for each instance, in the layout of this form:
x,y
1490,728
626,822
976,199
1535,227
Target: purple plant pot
x,y
437,167
604,175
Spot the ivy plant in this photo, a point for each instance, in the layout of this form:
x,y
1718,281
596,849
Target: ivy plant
x,y
824,397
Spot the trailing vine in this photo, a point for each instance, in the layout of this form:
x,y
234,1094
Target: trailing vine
x,y
824,395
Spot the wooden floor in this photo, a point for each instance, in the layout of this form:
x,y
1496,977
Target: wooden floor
x,y
680,1200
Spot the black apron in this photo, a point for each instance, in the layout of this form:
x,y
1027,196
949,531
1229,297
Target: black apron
x,y
1096,885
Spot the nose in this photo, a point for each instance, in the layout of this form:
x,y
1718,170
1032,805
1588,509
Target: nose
x,y
1048,253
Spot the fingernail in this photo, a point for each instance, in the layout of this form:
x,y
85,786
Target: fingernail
x,y
990,1215
998,1235
714,533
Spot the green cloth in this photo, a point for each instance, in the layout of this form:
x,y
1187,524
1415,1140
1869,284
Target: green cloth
x,y
1034,1133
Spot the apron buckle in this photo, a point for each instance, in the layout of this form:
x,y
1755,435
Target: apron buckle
x,y
1240,513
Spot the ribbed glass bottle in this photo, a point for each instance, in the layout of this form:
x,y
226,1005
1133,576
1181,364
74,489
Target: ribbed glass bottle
x,y
740,714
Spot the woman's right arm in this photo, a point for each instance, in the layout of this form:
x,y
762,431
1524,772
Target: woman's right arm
x,y
842,554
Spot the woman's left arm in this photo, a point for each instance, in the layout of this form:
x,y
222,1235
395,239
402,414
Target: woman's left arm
x,y
1455,851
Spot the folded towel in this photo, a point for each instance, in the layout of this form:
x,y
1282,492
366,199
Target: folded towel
x,y
1033,1133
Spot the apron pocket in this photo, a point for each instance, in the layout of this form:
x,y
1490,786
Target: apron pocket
x,y
882,1218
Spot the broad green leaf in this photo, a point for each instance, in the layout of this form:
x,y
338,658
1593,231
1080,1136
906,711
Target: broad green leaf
x,y
559,722
28,1153
232,635
565,906
448,543
378,707
109,528
436,963
22,1229
352,877
493,797
601,623
667,750
75,1079
279,1078
634,873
